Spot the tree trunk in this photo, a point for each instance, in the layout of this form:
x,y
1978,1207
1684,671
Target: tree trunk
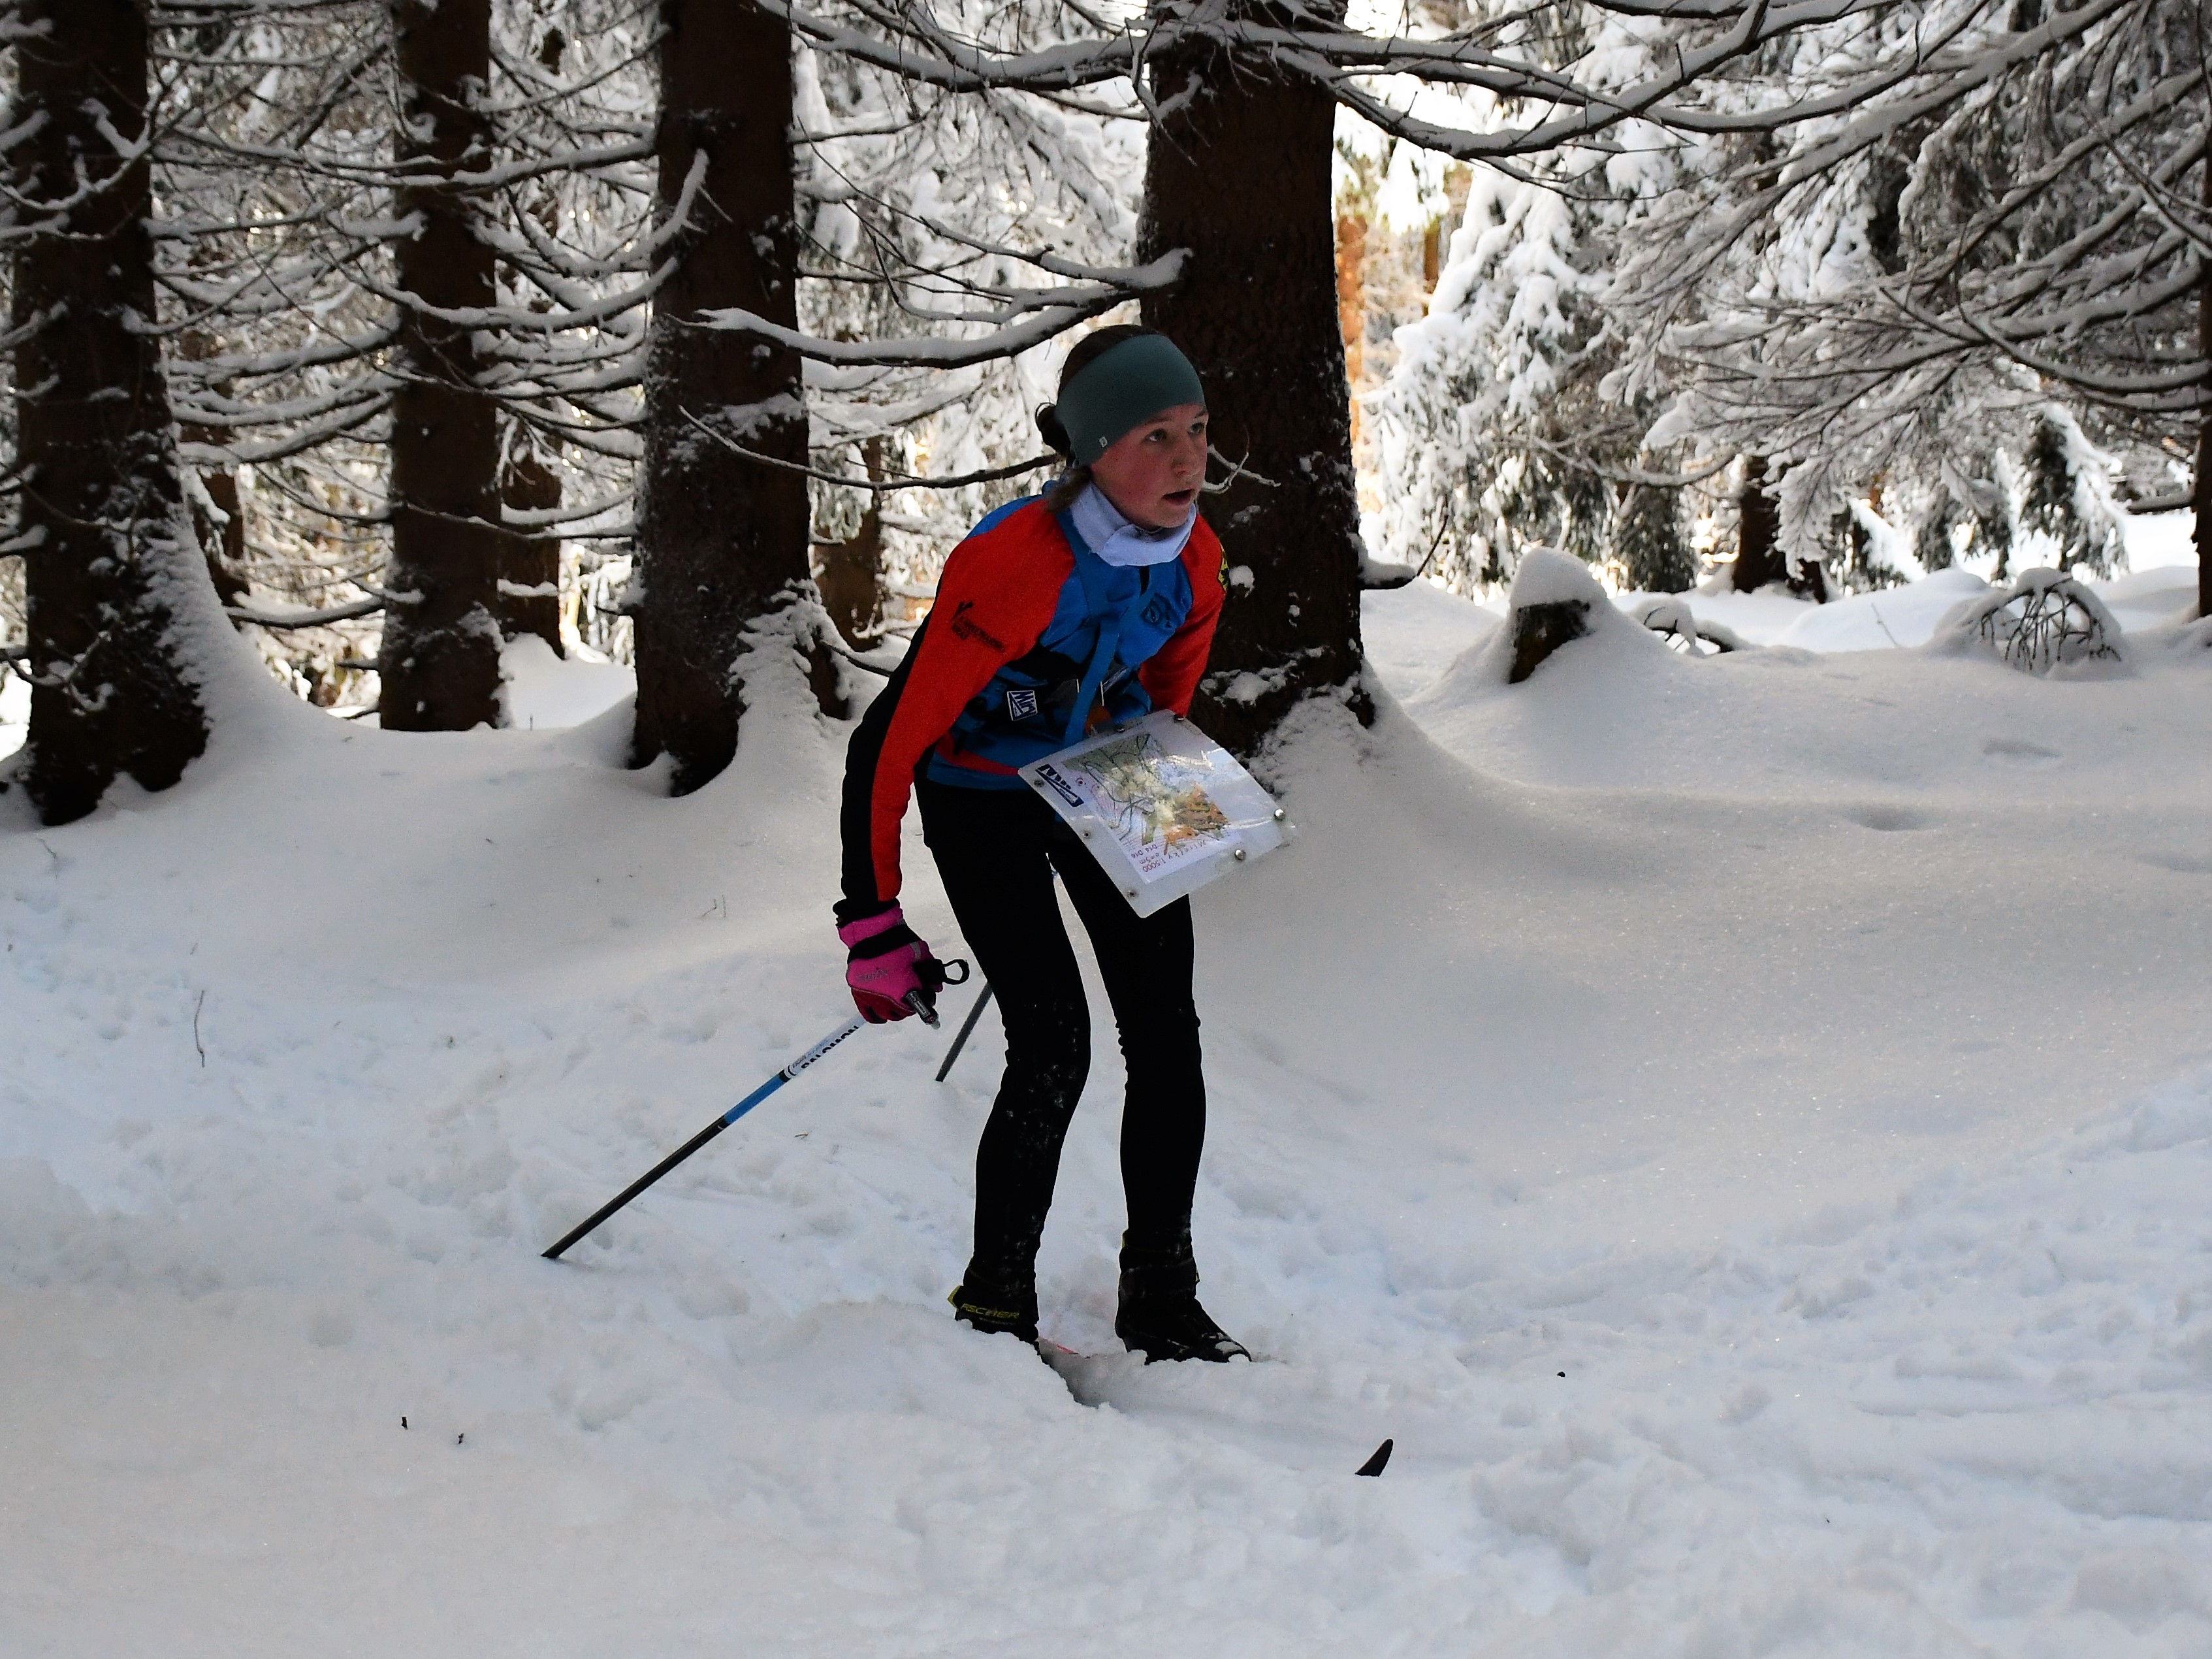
x,y
1759,558
1351,304
218,516
722,540
529,597
223,541
2202,534
2202,485
1239,174
439,661
113,559
851,576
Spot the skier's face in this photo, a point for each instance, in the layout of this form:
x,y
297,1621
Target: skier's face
x,y
1152,471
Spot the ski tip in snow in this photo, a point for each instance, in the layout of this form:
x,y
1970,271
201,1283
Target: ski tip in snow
x,y
1380,1461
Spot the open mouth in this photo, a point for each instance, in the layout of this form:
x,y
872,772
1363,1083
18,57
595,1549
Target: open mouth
x,y
1182,497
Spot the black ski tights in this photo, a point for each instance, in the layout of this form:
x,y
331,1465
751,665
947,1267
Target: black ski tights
x,y
997,851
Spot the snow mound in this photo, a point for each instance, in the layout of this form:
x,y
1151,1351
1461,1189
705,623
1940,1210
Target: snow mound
x,y
2046,623
539,691
1546,577
1898,616
1413,633
2146,599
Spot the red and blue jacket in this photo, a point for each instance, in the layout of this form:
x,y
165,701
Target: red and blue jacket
x,y
1034,640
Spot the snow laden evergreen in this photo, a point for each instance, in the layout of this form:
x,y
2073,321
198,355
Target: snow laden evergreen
x,y
925,210
1972,296
278,194
1497,433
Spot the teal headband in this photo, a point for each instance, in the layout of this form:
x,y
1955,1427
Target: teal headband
x,y
1120,389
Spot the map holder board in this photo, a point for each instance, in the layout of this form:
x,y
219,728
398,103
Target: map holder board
x,y
1162,807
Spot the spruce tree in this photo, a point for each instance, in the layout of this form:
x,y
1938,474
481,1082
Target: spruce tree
x,y
109,560
439,662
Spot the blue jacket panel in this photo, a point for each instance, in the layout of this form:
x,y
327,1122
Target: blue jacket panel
x,y
1109,621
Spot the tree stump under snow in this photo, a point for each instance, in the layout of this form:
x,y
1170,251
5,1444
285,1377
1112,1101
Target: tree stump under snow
x,y
1540,630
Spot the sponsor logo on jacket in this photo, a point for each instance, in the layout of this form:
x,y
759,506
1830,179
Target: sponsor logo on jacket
x,y
965,626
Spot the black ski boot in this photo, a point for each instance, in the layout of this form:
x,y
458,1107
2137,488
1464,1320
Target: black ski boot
x,y
995,1302
1159,1315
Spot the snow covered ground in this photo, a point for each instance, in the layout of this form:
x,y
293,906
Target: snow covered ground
x,y
1413,633
1741,1124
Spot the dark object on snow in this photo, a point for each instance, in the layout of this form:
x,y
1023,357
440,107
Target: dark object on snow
x,y
1759,558
1160,1316
2047,621
967,1026
1380,1461
440,656
721,539
1685,632
708,1133
1540,630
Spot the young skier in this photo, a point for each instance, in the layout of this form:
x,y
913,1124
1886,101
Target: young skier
x,y
1093,603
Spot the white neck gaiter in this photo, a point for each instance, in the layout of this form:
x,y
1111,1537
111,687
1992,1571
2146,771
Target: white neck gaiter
x,y
1119,540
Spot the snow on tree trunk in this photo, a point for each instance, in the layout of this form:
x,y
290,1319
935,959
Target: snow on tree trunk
x,y
1240,173
439,663
722,539
108,549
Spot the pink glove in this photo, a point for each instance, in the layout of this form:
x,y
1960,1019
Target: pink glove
x,y
885,964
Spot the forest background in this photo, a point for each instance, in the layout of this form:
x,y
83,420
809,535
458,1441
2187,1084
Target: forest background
x,y
390,335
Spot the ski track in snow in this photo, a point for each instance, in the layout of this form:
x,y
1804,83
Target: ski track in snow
x,y
1742,1126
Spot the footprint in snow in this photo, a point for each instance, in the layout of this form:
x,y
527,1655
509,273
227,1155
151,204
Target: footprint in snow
x,y
2018,751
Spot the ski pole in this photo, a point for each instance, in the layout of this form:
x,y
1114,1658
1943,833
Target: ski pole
x,y
967,1026
711,1131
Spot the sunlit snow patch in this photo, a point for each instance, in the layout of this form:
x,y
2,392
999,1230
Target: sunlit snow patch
x,y
538,689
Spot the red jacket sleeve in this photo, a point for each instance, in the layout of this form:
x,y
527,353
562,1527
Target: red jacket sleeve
x,y
1171,676
995,599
